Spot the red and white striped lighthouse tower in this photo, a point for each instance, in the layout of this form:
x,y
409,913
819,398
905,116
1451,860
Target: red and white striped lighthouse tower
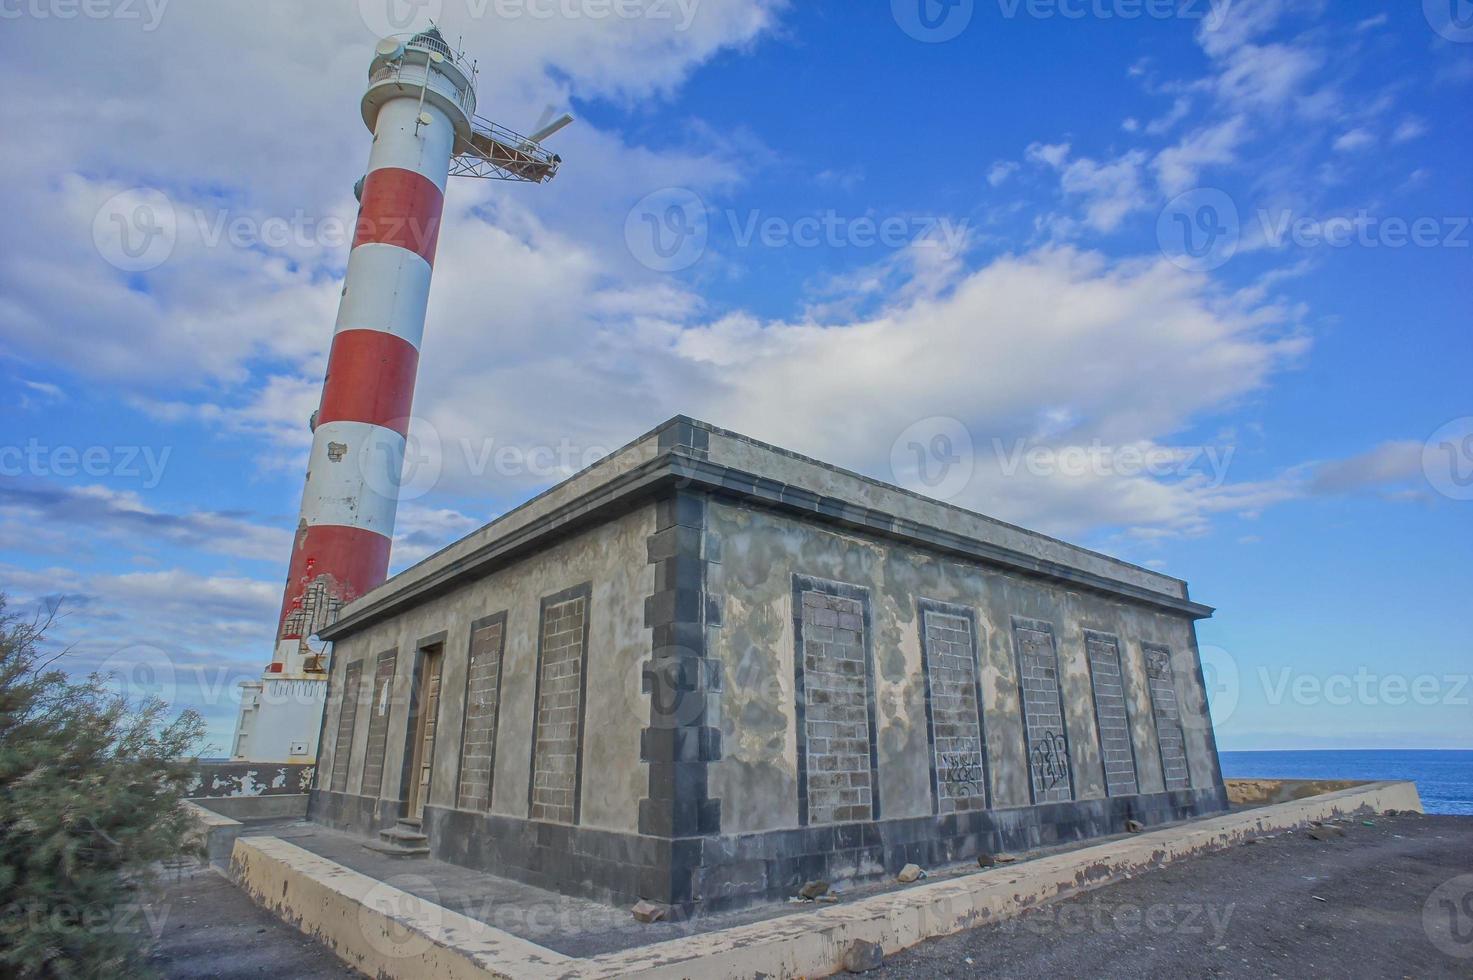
x,y
420,106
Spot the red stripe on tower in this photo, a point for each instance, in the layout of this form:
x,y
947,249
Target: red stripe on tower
x,y
346,561
370,378
400,207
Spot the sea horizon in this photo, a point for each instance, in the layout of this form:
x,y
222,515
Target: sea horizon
x,y
1444,777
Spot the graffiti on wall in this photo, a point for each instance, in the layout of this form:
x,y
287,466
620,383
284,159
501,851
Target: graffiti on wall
x,y
1050,761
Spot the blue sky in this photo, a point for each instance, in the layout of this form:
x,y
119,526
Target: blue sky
x,y
868,237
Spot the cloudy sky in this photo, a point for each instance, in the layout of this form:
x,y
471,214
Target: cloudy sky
x,y
1186,282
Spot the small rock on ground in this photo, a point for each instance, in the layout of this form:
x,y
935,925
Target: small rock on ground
x,y
647,912
813,889
862,956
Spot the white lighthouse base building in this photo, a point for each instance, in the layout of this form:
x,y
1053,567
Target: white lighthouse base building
x,y
280,719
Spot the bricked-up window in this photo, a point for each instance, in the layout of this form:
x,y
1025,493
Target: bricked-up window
x,y
1043,712
836,724
953,699
557,745
378,723
342,751
482,708
1117,754
1169,735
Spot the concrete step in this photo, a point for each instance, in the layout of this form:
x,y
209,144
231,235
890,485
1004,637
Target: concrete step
x,y
401,834
397,850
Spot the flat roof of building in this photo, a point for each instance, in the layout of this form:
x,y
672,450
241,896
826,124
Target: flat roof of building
x,y
686,452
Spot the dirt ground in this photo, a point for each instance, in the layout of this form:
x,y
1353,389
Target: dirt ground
x,y
1358,906
206,927
1382,901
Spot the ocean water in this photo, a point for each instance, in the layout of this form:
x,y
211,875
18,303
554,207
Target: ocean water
x,y
1444,778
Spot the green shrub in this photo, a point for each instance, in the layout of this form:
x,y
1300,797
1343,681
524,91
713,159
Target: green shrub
x,y
90,791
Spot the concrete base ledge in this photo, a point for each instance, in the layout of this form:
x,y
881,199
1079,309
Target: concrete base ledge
x,y
386,932
214,832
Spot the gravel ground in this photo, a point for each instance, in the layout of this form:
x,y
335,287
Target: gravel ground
x,y
1358,906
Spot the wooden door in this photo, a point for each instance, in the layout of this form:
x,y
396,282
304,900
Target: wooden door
x,y
428,721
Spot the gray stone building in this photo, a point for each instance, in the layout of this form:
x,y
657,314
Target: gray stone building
x,y
706,670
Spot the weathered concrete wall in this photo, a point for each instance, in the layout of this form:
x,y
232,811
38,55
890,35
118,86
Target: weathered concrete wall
x,y
611,558
248,779
757,776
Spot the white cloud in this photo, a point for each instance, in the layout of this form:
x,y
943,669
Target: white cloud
x,y
1354,140
1048,154
1000,172
1265,77
1125,352
1110,190
1178,167
83,515
1388,464
1166,122
1409,129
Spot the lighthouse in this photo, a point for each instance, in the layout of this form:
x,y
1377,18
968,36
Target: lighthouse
x,y
420,106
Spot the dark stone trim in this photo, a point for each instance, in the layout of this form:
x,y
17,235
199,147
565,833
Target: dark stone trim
x,y
1215,762
924,606
584,592
392,656
351,812
742,870
714,873
680,465
465,702
605,866
680,743
843,590
1135,762
1147,648
1039,626
930,713
335,784
683,434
